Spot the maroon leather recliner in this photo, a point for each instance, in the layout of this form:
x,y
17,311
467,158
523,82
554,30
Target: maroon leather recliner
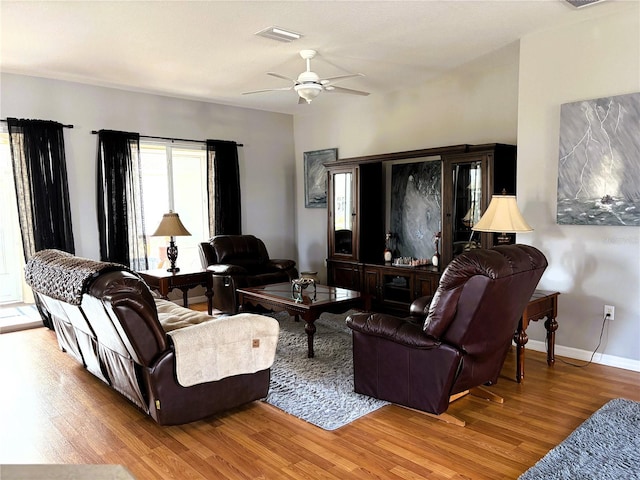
x,y
237,261
456,341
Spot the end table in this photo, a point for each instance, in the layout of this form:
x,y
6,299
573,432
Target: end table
x,y
543,304
164,282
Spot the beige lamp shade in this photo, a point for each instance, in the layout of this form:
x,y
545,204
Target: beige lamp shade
x,y
171,226
502,216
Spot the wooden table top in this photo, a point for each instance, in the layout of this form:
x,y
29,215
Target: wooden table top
x,y
323,295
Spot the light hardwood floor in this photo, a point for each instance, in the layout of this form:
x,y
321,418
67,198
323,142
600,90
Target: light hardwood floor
x,y
53,411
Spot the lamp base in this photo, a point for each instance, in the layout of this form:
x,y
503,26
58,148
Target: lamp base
x,y
172,255
503,239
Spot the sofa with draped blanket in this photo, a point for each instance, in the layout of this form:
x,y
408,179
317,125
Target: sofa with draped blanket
x,y
175,364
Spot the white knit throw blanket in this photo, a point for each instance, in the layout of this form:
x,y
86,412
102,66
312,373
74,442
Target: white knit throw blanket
x,y
216,348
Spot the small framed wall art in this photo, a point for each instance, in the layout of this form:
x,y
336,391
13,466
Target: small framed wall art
x,y
315,176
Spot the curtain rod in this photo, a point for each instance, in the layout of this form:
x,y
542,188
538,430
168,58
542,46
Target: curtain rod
x,y
4,120
95,132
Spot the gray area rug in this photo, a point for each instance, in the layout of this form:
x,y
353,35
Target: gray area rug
x,y
605,446
318,390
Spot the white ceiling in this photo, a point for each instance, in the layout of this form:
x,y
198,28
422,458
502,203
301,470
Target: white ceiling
x,y
208,50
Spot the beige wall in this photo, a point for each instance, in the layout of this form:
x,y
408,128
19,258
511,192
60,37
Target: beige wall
x,y
591,266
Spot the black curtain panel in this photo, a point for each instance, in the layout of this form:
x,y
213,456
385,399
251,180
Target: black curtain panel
x,y
119,198
223,188
42,192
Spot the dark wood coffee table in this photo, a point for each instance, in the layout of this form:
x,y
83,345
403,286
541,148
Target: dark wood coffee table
x,y
309,304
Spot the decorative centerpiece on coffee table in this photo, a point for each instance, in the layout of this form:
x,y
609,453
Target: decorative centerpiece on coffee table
x,y
300,284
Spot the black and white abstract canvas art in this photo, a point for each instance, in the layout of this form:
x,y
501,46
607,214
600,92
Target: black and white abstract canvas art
x,y
416,206
599,162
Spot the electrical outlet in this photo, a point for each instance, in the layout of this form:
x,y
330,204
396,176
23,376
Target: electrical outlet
x,y
609,312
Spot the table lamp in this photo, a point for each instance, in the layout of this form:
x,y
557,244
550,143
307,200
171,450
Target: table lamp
x,y
171,226
502,216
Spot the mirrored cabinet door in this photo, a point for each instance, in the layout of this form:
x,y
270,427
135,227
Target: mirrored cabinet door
x,y
355,204
467,203
342,213
465,200
469,182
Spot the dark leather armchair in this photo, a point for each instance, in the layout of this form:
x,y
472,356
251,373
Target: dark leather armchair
x,y
237,261
452,343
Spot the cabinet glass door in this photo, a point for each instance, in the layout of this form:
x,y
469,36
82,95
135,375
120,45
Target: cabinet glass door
x,y
467,204
397,288
343,212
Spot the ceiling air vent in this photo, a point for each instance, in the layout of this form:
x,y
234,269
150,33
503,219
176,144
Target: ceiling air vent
x,y
280,34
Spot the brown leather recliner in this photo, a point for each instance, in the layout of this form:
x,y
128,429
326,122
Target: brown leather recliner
x,y
454,342
237,261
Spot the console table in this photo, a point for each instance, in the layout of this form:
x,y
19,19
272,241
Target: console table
x,y
164,282
543,304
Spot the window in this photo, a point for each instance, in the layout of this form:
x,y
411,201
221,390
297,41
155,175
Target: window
x,y
174,178
10,241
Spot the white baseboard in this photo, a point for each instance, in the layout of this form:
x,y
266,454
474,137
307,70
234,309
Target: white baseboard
x,y
21,325
584,355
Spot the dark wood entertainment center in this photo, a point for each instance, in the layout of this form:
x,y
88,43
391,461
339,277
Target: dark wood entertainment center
x,y
358,216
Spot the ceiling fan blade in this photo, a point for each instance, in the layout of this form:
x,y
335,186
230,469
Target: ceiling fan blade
x,y
332,89
268,90
277,75
326,81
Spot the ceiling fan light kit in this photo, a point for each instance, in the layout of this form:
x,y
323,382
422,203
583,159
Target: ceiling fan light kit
x,y
308,85
308,91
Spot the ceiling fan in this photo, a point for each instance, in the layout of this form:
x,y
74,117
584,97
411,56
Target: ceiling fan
x,y
308,85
